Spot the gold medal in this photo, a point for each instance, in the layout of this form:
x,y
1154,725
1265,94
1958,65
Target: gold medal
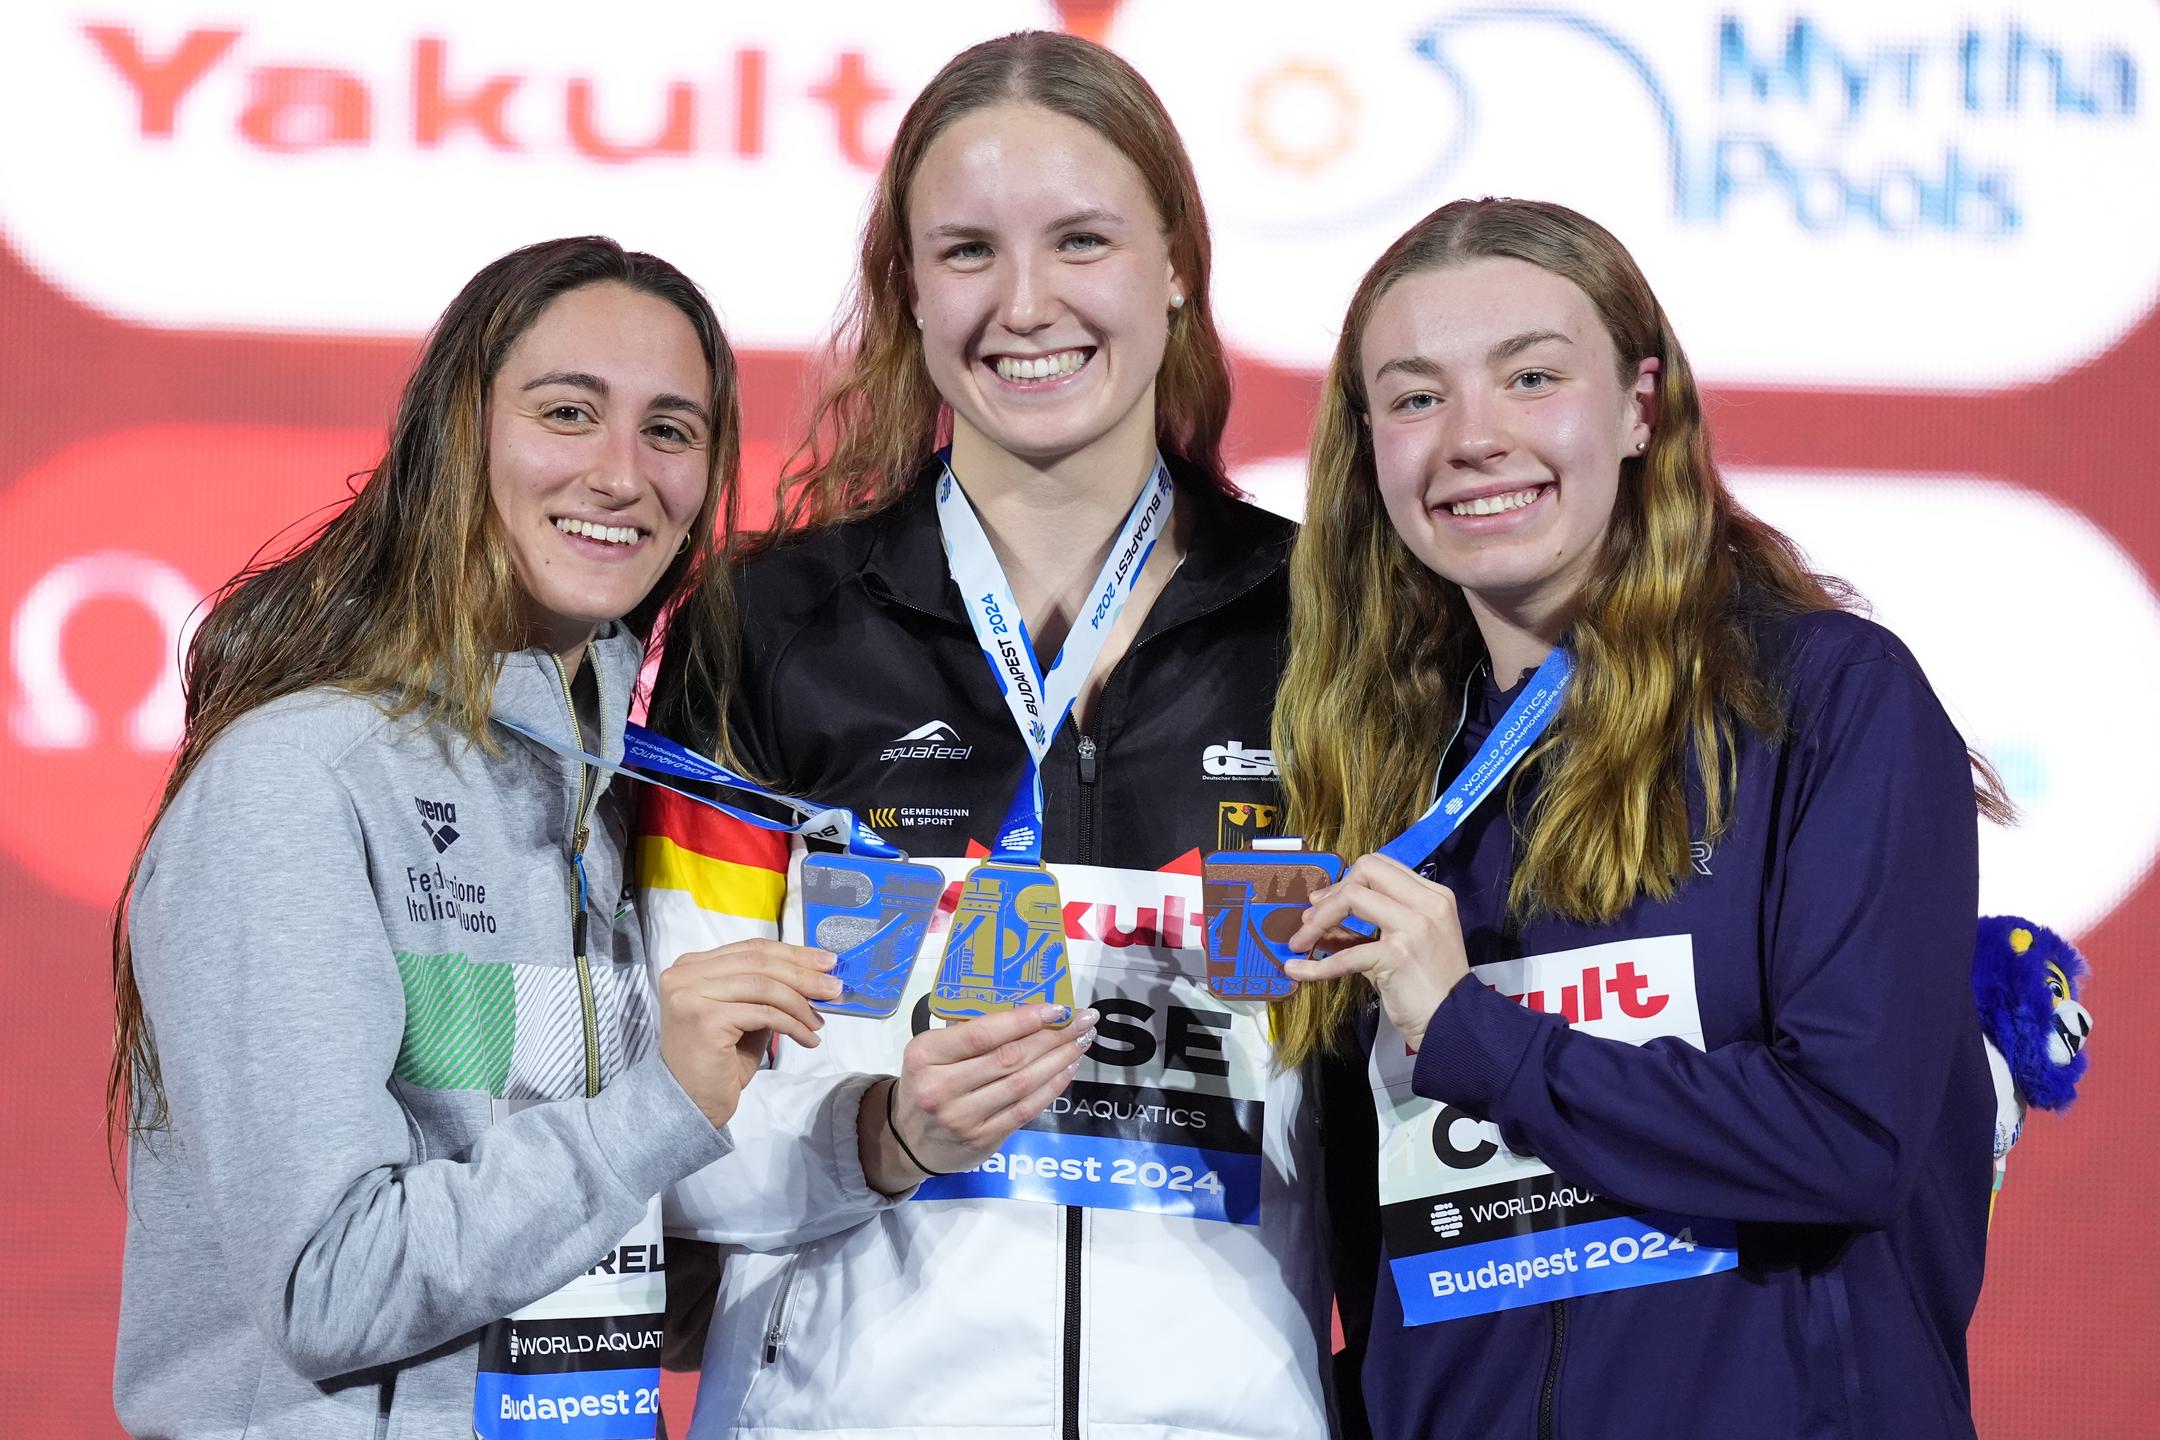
x,y
1007,946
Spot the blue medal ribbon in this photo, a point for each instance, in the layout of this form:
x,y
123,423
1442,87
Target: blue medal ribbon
x,y
1510,740
653,755
1040,700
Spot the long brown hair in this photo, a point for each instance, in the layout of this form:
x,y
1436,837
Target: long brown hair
x,y
1667,667
408,594
878,417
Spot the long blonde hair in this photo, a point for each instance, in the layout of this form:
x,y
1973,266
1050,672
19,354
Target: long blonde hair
x,y
878,416
1666,664
408,593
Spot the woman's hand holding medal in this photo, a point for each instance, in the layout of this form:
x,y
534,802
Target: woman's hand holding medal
x,y
720,1008
1418,955
964,1088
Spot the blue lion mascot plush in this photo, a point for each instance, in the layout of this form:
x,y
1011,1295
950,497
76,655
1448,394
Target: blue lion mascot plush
x,y
2026,982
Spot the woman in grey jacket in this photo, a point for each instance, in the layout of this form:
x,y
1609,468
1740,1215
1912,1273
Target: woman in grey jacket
x,y
398,1090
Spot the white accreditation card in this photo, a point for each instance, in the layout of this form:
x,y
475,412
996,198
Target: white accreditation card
x,y
1470,1226
584,1362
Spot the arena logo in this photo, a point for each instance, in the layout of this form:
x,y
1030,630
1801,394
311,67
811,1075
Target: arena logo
x,y
737,144
1787,176
91,705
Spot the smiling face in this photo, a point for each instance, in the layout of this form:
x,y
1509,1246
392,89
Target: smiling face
x,y
597,456
1043,282
1499,424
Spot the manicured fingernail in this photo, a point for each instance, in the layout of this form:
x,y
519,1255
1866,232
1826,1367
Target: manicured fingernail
x,y
824,959
1320,894
1084,1039
1056,1014
1074,1068
830,987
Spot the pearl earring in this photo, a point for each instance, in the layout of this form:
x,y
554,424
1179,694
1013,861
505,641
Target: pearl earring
x,y
1640,446
918,322
1177,302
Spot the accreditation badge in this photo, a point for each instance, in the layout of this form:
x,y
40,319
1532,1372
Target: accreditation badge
x,y
583,1362
1168,1113
1007,944
1470,1227
873,914
1255,901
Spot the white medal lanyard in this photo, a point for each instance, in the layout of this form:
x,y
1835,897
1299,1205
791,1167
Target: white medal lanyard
x,y
1040,701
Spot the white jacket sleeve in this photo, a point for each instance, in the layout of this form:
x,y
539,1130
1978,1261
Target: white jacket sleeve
x,y
795,1174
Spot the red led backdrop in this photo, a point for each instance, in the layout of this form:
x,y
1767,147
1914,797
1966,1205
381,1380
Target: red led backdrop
x,y
1912,255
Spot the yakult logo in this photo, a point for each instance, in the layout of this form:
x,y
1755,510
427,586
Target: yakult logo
x,y
486,120
1632,990
1585,998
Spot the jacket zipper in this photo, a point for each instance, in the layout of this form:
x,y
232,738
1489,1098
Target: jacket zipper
x,y
776,1324
579,899
1090,774
385,1401
1075,1217
1550,1393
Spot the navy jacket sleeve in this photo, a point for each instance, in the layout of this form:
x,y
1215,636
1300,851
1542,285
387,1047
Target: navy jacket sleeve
x,y
1867,928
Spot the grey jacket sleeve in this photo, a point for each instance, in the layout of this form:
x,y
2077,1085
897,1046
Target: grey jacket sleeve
x,y
278,1013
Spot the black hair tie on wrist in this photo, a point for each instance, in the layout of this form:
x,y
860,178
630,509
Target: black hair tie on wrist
x,y
893,1125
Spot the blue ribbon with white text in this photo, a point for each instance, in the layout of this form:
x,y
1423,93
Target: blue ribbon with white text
x,y
1510,740
645,751
1039,700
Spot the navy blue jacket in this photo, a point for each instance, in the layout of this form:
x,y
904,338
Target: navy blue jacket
x,y
1839,1111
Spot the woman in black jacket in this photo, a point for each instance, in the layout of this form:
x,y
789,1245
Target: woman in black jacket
x,y
1034,293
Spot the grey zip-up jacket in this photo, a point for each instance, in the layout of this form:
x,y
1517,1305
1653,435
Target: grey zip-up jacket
x,y
353,935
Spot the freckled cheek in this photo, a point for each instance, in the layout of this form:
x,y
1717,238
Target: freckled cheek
x,y
1399,467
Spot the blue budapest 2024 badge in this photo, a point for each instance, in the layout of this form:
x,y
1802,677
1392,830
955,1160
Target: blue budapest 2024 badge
x,y
873,914
1007,946
1255,901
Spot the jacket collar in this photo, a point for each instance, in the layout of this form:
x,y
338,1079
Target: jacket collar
x,y
1233,548
529,689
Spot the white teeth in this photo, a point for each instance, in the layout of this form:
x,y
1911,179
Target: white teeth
x,y
1496,504
1040,367
612,534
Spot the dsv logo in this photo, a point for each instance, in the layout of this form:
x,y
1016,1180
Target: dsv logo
x,y
1232,761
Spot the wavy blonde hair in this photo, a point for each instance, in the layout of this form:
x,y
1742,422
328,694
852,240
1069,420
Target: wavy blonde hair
x,y
408,593
1380,646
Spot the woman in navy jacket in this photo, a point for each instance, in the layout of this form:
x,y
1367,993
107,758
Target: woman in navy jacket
x,y
1682,1118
